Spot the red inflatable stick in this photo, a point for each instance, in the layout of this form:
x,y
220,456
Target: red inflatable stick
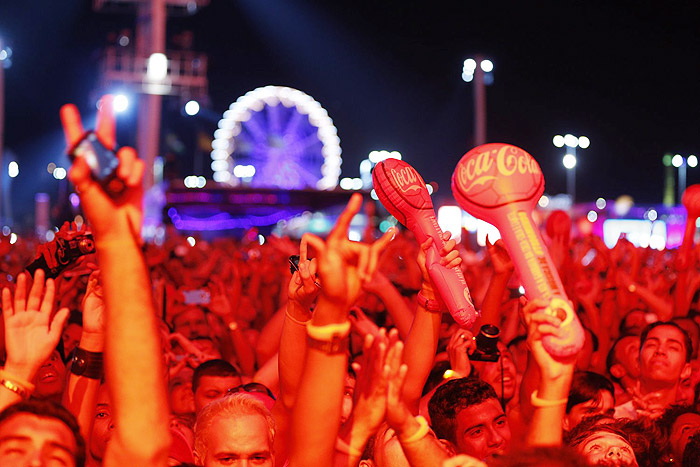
x,y
500,184
403,193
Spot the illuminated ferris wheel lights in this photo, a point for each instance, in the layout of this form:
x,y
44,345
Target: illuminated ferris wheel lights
x,y
255,100
222,176
218,166
219,155
346,183
244,171
220,143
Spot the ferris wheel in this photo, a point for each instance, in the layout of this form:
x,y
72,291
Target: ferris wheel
x,y
276,137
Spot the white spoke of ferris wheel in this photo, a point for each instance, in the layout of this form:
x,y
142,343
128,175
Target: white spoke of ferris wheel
x,y
300,147
274,118
293,123
256,131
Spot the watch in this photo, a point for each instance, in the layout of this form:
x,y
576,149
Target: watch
x,y
87,364
337,345
431,305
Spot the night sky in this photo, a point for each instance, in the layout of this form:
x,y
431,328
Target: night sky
x,y
625,74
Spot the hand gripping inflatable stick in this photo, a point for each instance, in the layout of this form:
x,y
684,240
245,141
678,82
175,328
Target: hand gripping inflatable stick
x,y
403,193
500,184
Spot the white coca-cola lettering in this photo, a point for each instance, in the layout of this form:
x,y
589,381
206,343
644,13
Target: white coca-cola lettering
x,y
406,178
507,164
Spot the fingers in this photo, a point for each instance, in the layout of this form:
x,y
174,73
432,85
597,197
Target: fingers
x,y
105,127
47,303
343,224
34,300
136,176
314,242
80,175
127,160
21,292
72,126
376,249
303,250
57,323
7,303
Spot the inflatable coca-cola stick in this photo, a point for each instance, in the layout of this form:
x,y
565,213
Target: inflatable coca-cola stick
x,y
691,201
500,184
402,191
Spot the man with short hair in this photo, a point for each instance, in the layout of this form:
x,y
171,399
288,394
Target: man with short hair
x,y
664,357
590,394
37,432
467,413
233,429
191,322
211,380
622,364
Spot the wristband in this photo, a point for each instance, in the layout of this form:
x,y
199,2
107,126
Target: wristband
x,y
87,364
430,305
331,339
420,433
537,402
329,331
296,321
346,448
17,385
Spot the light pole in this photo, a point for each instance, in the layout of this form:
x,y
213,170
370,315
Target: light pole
x,y
571,142
482,77
681,163
5,62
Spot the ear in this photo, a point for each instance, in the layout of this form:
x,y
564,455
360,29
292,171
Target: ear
x,y
617,371
366,463
448,447
686,372
565,422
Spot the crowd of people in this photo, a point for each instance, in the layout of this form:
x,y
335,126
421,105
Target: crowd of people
x,y
330,352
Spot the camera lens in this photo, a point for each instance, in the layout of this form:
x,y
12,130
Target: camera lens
x,y
490,331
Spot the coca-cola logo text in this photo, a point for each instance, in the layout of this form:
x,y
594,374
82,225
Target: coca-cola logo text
x,y
406,179
508,160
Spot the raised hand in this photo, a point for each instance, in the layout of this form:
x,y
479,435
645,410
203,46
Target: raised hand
x,y
500,259
31,332
110,217
344,265
303,288
93,306
373,380
540,324
458,347
449,256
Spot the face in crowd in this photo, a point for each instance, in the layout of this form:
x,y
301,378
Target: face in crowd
x,y
490,372
662,357
483,430
191,323
211,388
50,378
236,430
39,433
609,449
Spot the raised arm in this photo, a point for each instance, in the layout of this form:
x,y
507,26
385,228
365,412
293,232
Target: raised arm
x,y
422,340
343,266
133,361
550,397
31,334
84,382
